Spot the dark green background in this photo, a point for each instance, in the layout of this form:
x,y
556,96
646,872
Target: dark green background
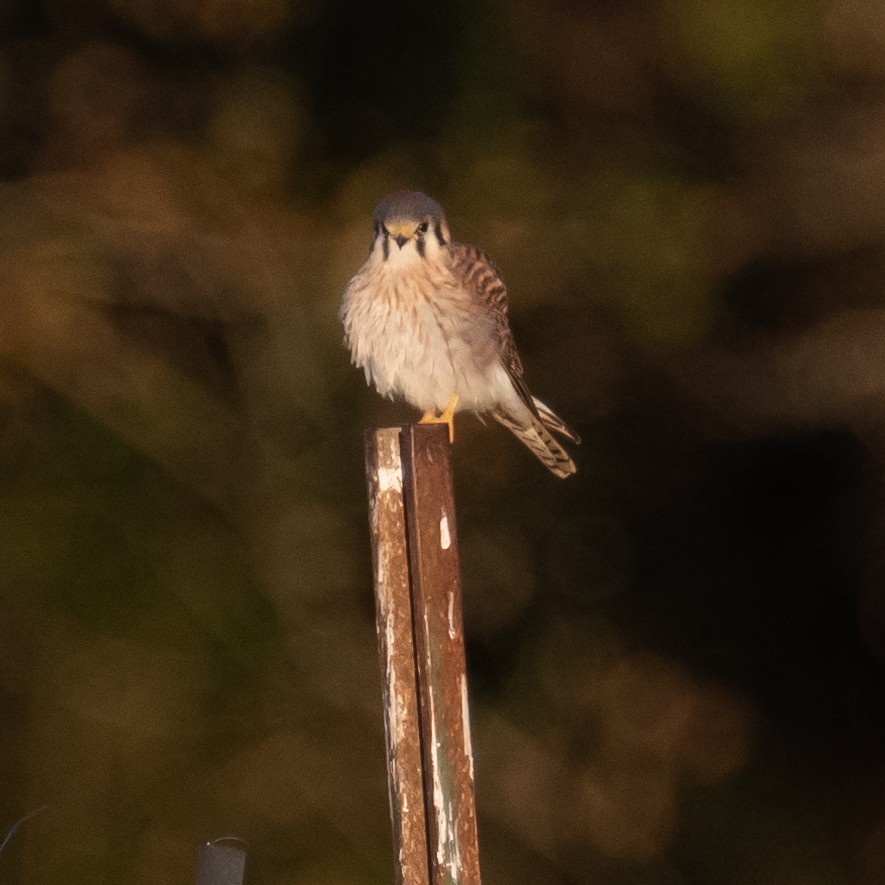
x,y
675,657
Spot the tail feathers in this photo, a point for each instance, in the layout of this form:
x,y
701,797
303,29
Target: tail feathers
x,y
538,438
553,422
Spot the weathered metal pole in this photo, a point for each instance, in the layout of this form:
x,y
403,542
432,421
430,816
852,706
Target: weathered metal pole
x,y
439,639
396,653
421,649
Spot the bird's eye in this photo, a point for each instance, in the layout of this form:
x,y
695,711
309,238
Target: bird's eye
x,y
422,228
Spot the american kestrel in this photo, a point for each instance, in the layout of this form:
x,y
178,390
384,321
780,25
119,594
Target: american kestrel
x,y
426,318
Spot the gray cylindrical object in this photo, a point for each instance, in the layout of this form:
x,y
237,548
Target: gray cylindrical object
x,y
221,865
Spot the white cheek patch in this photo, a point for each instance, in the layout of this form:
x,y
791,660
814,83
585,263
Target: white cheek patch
x,y
397,258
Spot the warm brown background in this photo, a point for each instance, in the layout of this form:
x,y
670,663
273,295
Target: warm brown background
x,y
676,657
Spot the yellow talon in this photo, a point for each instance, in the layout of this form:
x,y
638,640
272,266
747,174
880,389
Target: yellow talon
x,y
447,417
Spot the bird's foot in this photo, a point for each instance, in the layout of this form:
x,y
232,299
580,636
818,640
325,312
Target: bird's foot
x,y
447,417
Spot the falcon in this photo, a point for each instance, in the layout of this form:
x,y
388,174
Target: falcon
x,y
426,318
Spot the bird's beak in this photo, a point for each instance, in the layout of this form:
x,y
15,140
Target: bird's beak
x,y
401,233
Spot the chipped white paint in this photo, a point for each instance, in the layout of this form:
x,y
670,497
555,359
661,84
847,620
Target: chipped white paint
x,y
390,479
442,808
455,859
397,709
380,573
465,718
448,852
452,634
439,803
445,539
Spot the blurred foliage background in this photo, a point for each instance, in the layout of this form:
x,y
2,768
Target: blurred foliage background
x,y
676,657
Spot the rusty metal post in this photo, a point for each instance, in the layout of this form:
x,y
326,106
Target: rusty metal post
x,y
396,652
421,648
439,643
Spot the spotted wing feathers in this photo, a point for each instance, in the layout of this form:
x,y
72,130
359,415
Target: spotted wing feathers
x,y
482,279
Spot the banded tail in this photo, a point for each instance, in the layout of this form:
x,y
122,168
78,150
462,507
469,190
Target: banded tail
x,y
537,436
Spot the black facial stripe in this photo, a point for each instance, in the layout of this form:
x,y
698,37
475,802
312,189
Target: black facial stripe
x,y
437,230
385,245
419,243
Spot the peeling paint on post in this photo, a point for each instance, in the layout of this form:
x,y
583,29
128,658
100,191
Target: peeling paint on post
x,y
435,575
421,647
396,652
445,539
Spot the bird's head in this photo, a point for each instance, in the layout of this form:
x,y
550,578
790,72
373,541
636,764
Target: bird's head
x,y
409,226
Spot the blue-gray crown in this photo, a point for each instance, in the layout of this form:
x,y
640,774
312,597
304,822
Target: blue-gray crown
x,y
408,206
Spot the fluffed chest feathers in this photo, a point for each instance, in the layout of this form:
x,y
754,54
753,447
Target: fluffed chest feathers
x,y
417,339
